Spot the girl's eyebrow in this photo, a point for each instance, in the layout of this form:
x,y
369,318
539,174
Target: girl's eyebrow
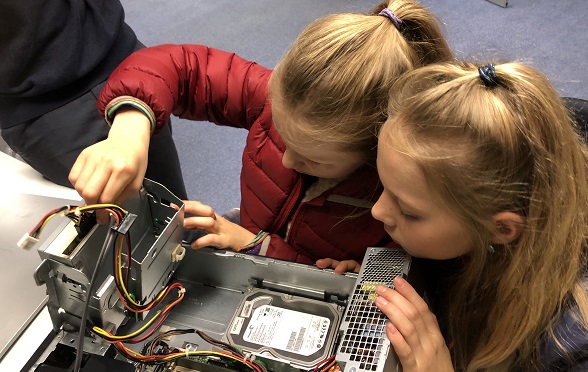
x,y
407,206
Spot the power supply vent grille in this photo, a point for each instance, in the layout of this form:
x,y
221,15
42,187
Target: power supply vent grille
x,y
364,344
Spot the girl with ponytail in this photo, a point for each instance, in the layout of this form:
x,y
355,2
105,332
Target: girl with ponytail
x,y
485,178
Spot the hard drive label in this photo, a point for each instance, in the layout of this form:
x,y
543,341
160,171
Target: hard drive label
x,y
288,330
236,326
247,307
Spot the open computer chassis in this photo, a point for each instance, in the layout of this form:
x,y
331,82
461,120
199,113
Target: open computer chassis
x,y
286,316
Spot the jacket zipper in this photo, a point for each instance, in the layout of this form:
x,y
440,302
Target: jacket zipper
x,y
287,239
290,205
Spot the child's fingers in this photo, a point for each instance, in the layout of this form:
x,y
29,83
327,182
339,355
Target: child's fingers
x,y
340,267
401,314
400,331
401,348
347,265
424,314
200,223
407,291
197,208
116,189
209,240
76,170
90,182
325,263
410,317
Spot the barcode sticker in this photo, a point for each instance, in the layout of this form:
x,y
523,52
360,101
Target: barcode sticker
x,y
236,326
246,310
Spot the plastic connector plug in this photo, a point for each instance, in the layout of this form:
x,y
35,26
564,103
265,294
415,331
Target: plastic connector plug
x,y
27,241
164,328
178,253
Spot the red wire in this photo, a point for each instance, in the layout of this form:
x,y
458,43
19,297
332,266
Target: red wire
x,y
42,220
162,317
320,365
128,240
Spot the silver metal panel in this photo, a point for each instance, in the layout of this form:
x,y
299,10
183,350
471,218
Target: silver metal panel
x,y
218,281
364,345
66,273
237,271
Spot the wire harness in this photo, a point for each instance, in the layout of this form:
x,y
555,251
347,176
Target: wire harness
x,y
155,352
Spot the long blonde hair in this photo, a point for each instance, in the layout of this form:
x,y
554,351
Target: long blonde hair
x,y
338,72
483,150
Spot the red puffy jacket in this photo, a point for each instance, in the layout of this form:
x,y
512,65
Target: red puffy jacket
x,y
205,84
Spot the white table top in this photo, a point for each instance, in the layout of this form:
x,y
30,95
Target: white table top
x,y
18,177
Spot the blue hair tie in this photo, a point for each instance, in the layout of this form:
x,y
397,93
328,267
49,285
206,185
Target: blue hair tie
x,y
488,75
391,16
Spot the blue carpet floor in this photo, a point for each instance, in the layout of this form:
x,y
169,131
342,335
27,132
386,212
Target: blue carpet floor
x,y
550,35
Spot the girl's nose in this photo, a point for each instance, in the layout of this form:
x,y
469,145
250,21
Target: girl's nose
x,y
383,211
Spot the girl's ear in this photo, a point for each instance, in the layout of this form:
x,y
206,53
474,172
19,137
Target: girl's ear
x,y
508,227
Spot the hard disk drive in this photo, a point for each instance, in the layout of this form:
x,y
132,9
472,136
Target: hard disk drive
x,y
293,330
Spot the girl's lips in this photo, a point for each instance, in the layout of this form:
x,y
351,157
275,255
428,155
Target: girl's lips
x,y
387,229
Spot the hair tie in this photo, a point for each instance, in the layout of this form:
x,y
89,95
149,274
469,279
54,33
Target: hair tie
x,y
488,75
391,16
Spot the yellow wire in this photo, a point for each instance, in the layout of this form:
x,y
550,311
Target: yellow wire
x,y
45,222
131,335
81,209
100,206
120,275
196,352
189,353
144,327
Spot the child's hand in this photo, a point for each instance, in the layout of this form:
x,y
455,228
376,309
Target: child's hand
x,y
222,233
112,170
341,267
413,330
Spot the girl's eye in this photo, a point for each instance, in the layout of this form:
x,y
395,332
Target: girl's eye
x,y
409,217
312,163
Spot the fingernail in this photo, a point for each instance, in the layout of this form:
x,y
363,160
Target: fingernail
x,y
391,328
380,289
399,281
381,301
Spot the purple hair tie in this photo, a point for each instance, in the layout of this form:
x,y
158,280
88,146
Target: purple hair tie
x,y
391,16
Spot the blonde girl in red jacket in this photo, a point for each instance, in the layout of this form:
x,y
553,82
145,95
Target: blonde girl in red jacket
x,y
308,177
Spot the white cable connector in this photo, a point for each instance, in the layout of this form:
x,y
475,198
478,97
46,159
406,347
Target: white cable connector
x,y
178,253
187,350
164,328
27,241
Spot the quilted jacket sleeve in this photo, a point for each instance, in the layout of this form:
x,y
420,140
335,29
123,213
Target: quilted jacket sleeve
x,y
278,247
190,81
